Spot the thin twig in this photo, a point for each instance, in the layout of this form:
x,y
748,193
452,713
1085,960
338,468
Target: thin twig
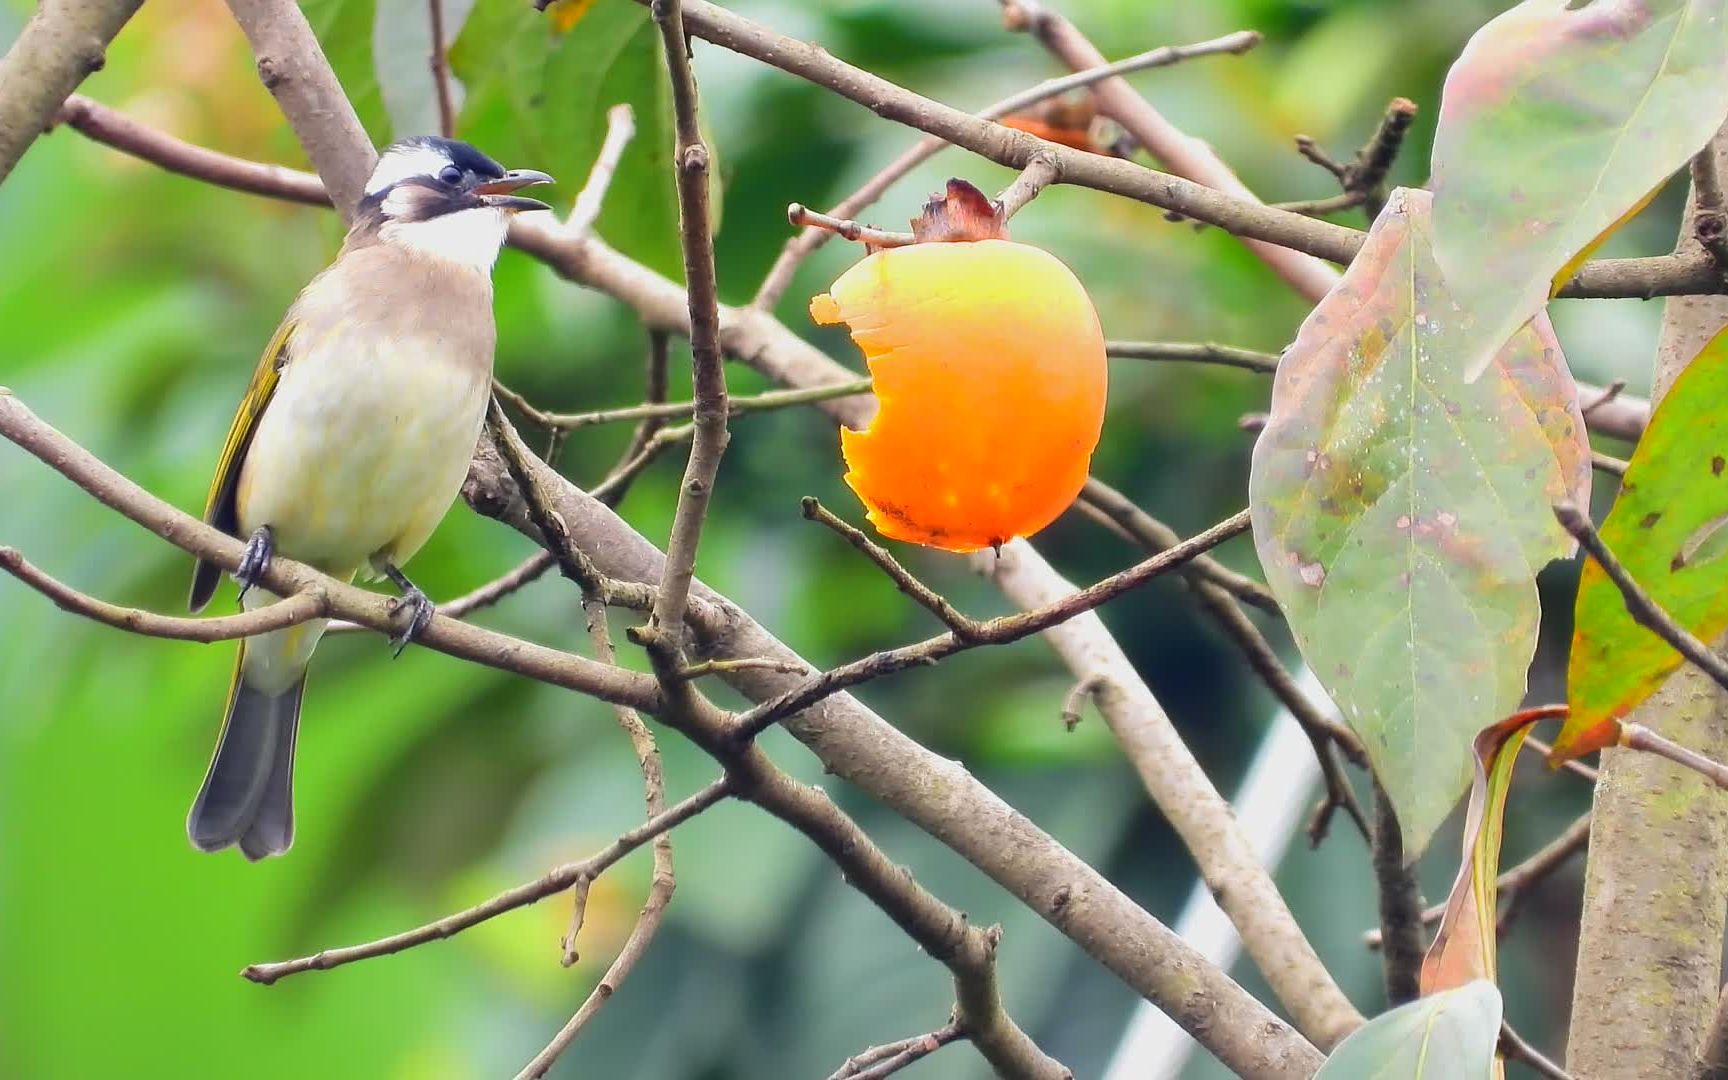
x,y
1514,1048
743,663
1643,610
585,211
735,406
1138,527
656,370
1197,352
801,246
664,881
1400,906
998,631
801,216
927,598
292,611
1039,173
1332,204
1516,883
900,1054
1076,699
1366,176
1604,397
554,881
285,577
708,370
1572,765
98,122
611,490
1639,737
440,62
1608,463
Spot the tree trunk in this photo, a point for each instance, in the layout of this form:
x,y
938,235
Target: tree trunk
x,y
1656,884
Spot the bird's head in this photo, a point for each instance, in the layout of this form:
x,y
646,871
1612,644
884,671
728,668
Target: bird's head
x,y
444,198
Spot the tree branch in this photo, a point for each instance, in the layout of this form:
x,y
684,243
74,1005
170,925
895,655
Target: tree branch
x,y
61,44
552,882
287,578
1400,899
292,66
439,61
296,609
1179,786
801,246
940,796
524,573
709,370
890,1058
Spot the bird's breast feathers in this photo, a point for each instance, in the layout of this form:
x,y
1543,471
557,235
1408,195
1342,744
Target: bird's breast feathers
x,y
367,439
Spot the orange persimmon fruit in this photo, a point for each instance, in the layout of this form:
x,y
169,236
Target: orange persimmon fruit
x,y
989,371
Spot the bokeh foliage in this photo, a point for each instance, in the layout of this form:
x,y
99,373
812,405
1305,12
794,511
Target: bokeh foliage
x,y
132,307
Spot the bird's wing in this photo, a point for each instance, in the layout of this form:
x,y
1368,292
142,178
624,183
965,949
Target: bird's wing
x,y
219,509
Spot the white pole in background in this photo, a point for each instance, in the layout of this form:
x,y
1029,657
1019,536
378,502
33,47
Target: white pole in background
x,y
1271,803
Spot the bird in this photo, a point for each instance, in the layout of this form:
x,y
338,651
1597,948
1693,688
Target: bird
x,y
351,444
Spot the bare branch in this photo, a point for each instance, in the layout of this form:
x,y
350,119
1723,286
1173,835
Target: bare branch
x,y
945,800
1514,885
296,609
735,406
1201,353
1400,899
998,631
292,66
286,577
926,597
800,247
585,211
889,1058
439,61
1039,173
709,370
800,215
1639,737
1189,801
553,882
1513,1047
1139,527
60,45
97,121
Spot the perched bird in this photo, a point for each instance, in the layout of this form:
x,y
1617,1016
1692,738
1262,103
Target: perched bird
x,y
352,443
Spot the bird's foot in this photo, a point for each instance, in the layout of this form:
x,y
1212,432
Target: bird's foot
x,y
260,549
413,601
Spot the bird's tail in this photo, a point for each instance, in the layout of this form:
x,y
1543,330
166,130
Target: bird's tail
x,y
248,794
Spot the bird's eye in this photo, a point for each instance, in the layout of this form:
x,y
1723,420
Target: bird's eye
x,y
450,174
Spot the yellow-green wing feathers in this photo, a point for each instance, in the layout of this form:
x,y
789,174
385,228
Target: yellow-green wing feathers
x,y
219,509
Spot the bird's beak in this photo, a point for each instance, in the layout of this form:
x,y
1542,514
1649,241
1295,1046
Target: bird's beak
x,y
497,193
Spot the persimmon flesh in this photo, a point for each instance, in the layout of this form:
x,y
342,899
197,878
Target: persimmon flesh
x,y
989,374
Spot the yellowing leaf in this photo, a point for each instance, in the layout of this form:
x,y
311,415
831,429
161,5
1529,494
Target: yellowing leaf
x,y
1464,947
1666,529
1557,119
1401,513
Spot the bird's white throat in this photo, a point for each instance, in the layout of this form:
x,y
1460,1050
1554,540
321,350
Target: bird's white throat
x,y
468,238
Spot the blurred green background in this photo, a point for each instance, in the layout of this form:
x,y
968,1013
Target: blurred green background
x,y
133,304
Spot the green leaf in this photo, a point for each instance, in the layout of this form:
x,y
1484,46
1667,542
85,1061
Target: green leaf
x,y
1666,527
1401,513
344,29
537,98
1449,1036
1557,120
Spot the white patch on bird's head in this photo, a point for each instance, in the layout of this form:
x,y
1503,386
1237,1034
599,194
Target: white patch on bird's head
x,y
406,160
468,238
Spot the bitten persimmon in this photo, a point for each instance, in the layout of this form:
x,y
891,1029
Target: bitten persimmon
x,y
989,372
